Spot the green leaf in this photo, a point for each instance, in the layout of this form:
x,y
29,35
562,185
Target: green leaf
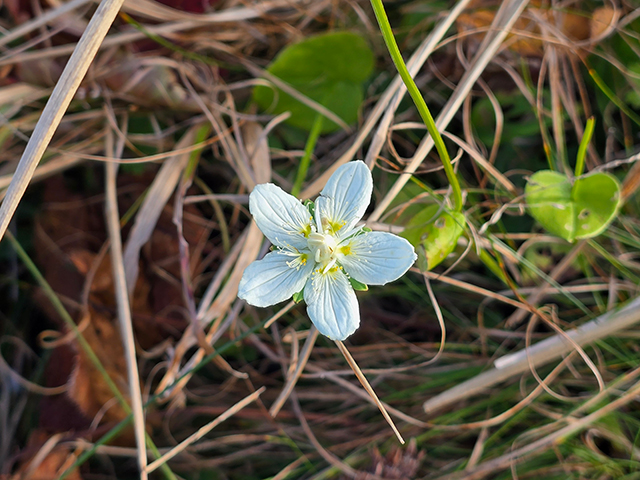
x,y
298,297
582,209
329,69
435,234
358,286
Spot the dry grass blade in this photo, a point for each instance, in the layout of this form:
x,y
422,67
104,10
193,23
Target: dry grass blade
x,y
157,196
555,274
291,381
204,430
365,383
58,103
41,20
124,309
540,354
575,425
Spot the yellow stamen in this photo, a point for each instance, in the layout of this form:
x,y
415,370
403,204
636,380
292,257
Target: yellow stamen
x,y
306,230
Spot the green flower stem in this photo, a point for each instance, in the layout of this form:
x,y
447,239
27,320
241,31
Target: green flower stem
x,y
303,168
419,102
584,144
57,304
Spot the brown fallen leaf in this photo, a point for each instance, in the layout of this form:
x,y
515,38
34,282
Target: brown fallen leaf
x,y
87,386
54,463
526,38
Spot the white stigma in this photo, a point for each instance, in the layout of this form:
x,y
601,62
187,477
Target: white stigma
x,y
323,247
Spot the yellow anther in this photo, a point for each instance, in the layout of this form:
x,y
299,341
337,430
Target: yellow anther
x,y
306,230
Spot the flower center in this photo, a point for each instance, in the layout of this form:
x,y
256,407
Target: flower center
x,y
322,246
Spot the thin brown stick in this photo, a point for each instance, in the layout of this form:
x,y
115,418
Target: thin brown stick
x,y
293,379
124,308
204,430
365,383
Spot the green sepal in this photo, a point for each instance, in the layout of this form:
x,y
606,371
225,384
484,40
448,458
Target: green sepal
x,y
297,297
358,286
366,229
310,206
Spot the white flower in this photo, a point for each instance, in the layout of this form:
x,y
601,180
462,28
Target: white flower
x,y
320,252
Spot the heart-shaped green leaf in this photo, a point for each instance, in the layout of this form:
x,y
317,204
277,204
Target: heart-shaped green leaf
x,y
573,211
329,69
435,234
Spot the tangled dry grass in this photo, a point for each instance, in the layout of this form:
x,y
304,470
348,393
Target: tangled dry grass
x,y
132,352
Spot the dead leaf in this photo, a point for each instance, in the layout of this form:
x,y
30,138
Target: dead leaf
x,y
87,387
54,463
601,20
527,37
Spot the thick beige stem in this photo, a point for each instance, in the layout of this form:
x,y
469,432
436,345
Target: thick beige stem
x,y
63,93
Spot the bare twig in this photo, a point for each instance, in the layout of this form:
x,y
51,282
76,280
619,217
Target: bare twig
x,y
55,108
363,380
204,430
124,309
540,354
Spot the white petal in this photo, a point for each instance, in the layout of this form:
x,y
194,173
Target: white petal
x,y
280,216
376,258
332,305
345,197
271,280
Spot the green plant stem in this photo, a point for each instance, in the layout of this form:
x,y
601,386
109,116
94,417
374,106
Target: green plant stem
x,y
57,304
419,102
305,161
584,144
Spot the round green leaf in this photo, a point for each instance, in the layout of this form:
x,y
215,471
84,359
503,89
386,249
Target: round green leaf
x,y
329,69
597,199
548,197
573,211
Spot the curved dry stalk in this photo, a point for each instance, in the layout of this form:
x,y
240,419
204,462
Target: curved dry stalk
x,y
574,426
204,430
57,105
323,452
293,378
157,196
484,163
506,16
541,353
41,20
516,317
